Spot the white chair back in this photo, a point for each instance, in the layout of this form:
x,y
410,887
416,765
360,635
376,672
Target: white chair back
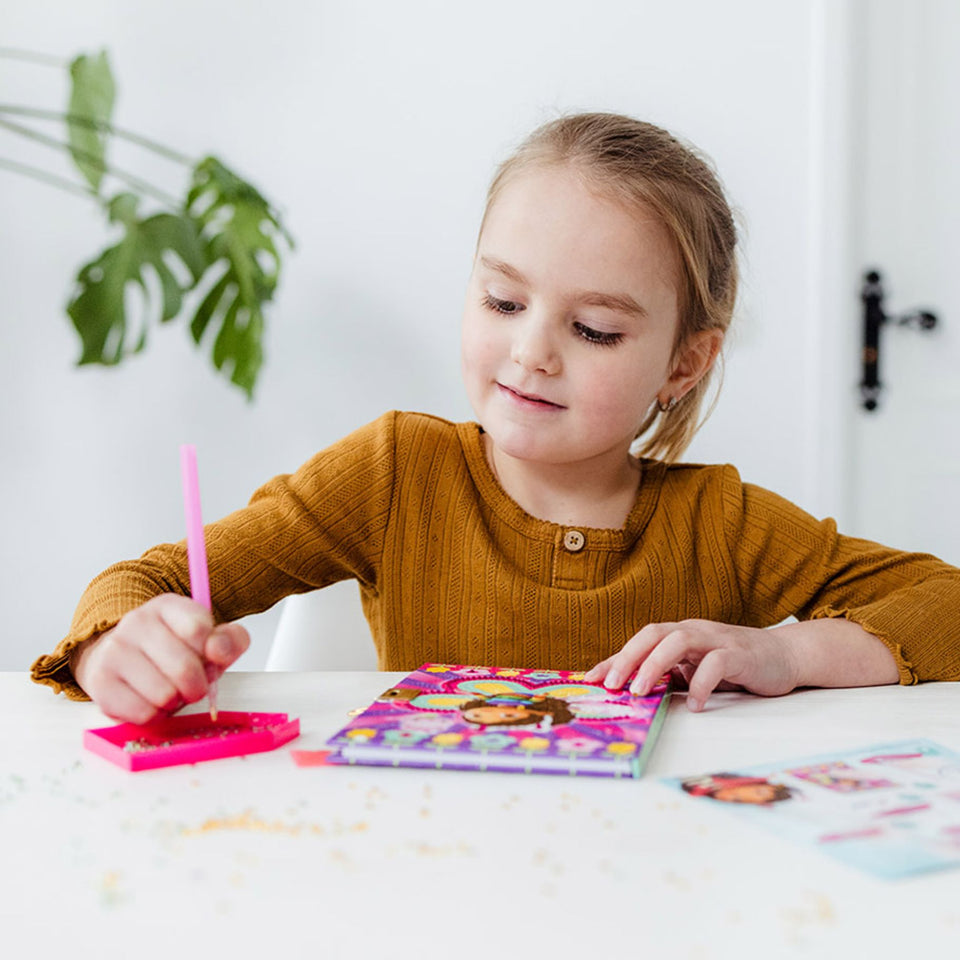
x,y
323,630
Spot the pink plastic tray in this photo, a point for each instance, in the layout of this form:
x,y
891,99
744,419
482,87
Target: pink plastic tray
x,y
190,738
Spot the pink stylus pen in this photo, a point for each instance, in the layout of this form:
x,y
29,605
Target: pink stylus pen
x,y
196,546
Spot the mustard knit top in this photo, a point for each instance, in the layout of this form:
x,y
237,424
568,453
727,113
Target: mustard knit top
x,y
452,570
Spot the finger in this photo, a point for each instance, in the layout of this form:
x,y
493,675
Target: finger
x,y
165,629
185,618
709,673
680,644
119,701
634,652
226,643
173,706
680,675
177,661
597,672
137,670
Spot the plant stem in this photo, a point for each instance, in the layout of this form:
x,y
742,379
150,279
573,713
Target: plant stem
x,y
49,178
80,120
91,158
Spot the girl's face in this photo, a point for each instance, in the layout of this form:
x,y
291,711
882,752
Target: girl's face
x,y
759,793
493,714
570,321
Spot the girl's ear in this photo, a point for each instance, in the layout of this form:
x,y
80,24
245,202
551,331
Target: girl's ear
x,y
696,357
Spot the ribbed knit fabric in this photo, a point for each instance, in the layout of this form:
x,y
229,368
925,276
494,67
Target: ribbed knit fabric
x,y
452,570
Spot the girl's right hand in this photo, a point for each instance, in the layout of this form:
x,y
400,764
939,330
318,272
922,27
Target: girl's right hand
x,y
160,656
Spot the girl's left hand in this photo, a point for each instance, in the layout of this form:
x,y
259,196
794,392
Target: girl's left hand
x,y
706,656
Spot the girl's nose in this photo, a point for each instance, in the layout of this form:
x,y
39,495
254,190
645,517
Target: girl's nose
x,y
533,347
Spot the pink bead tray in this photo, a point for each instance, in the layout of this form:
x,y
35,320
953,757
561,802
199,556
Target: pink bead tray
x,y
190,738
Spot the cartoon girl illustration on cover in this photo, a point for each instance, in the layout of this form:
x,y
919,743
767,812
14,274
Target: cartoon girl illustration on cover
x,y
737,788
516,709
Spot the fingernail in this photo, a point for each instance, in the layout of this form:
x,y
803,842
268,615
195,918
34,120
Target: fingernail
x,y
612,682
693,703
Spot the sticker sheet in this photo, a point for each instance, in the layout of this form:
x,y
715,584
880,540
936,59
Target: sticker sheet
x,y
891,809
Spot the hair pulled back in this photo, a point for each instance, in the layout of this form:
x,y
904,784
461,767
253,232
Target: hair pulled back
x,y
639,163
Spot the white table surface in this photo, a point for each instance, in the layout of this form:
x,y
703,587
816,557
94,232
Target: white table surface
x,y
250,857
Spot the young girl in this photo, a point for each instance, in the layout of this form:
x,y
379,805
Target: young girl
x,y
603,283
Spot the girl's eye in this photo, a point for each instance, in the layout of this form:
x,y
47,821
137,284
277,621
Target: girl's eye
x,y
597,336
510,308
507,307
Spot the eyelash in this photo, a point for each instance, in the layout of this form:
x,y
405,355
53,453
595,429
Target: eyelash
x,y
596,337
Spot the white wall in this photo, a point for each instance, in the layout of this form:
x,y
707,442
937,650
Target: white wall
x,y
375,128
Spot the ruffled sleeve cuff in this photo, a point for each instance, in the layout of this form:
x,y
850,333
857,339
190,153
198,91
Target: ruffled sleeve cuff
x,y
53,669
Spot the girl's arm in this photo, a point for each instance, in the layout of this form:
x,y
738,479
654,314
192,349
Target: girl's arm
x,y
834,652
158,658
710,656
299,532
787,562
869,614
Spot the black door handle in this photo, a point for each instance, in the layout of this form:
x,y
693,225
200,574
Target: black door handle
x,y
874,318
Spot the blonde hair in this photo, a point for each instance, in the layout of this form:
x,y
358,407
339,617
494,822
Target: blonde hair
x,y
641,163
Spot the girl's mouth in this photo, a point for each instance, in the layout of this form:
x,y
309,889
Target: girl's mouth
x,y
530,400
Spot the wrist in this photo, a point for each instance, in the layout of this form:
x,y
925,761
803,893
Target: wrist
x,y
793,657
836,652
78,655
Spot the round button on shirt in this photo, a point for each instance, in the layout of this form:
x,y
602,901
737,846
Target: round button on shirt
x,y
574,540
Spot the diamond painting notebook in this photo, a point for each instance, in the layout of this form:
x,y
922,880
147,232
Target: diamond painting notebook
x,y
443,716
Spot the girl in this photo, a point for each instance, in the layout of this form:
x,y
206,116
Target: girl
x,y
603,283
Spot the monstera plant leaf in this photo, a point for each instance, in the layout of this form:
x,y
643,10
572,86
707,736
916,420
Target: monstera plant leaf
x,y
238,229
92,93
218,246
98,309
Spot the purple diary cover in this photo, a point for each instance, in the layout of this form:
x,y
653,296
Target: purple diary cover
x,y
505,720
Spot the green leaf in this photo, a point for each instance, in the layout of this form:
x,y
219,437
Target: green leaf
x,y
98,309
207,308
92,93
239,230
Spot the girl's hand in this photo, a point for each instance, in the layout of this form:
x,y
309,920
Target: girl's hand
x,y
706,656
156,659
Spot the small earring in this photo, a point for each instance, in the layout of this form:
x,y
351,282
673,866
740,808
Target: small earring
x,y
668,406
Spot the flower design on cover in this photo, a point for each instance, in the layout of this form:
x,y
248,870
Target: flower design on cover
x,y
404,738
446,739
475,671
491,741
538,676
360,734
577,745
427,722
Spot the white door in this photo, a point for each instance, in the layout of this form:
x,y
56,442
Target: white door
x,y
904,466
